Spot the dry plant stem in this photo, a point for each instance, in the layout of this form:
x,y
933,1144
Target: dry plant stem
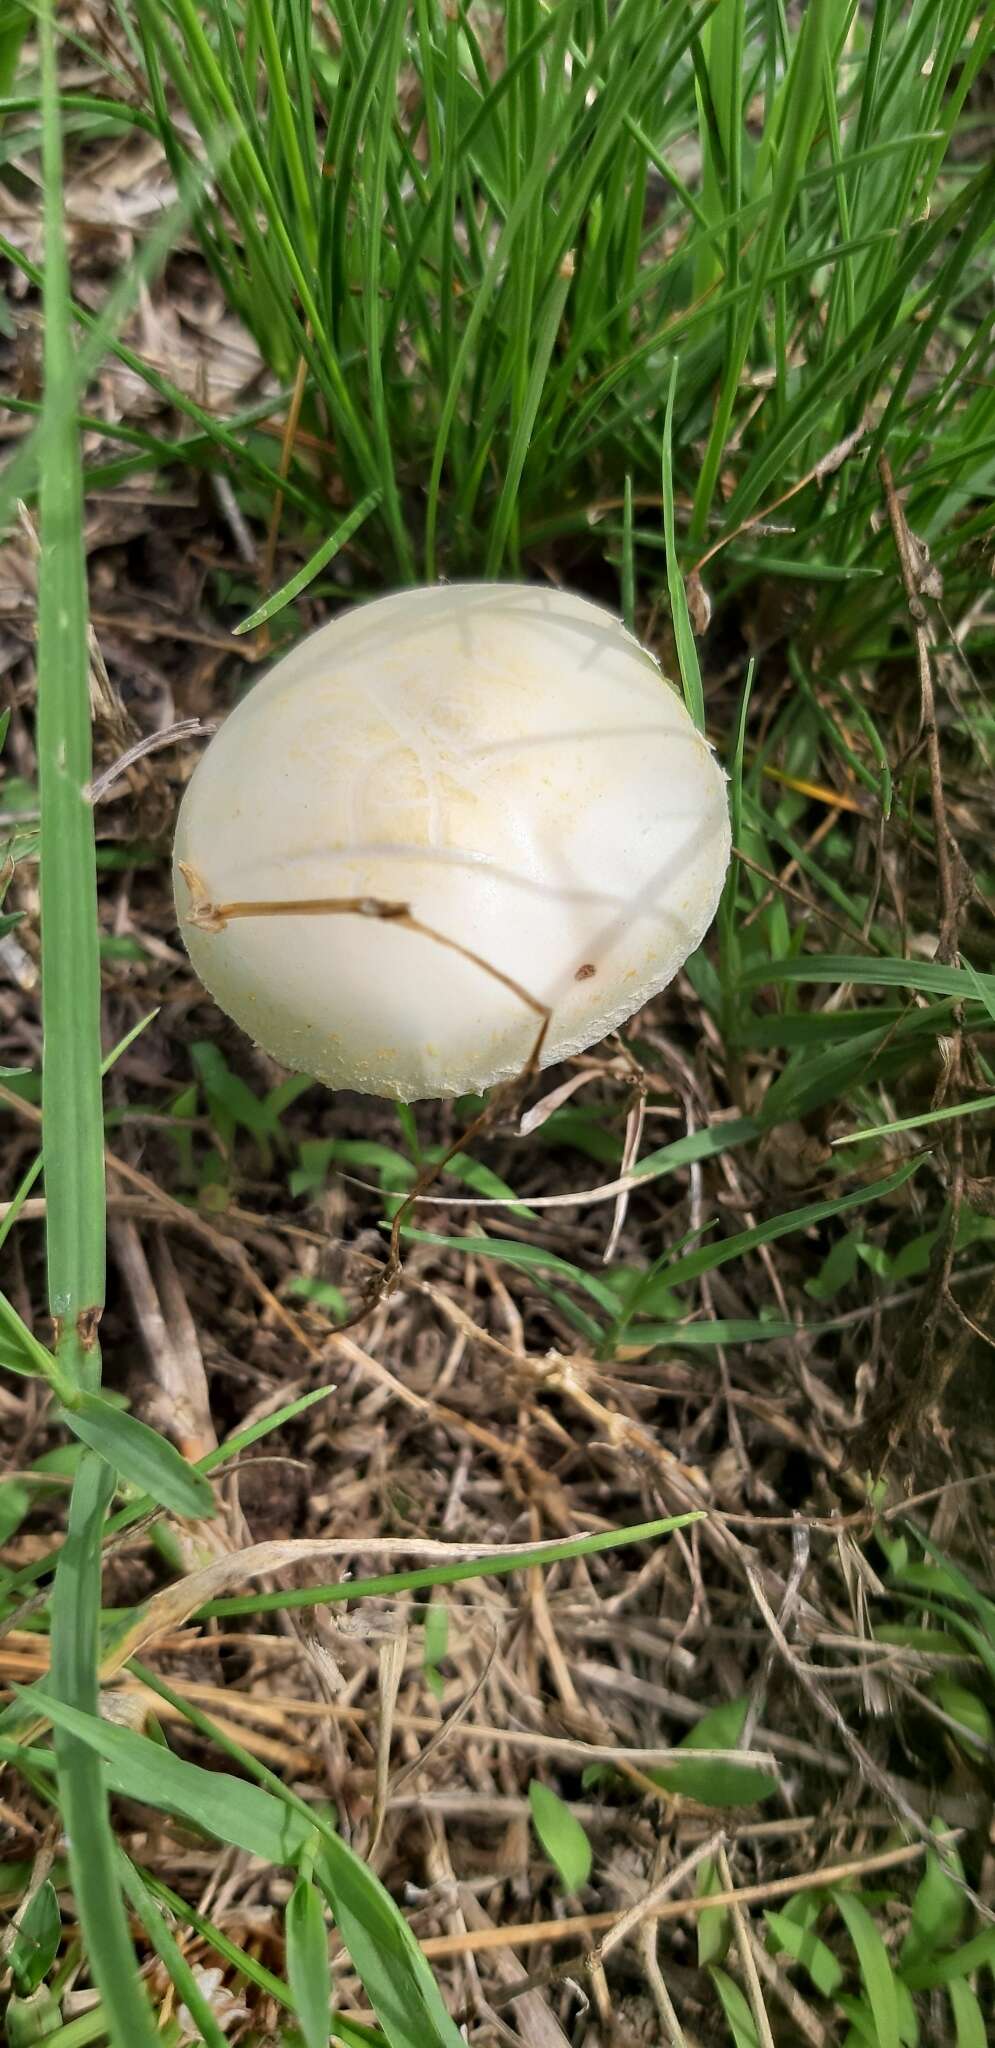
x,y
746,1956
828,464
647,1906
235,519
445,1730
673,2031
675,1909
758,1693
392,1660
634,1124
177,1370
638,1919
184,729
809,2026
811,909
544,2030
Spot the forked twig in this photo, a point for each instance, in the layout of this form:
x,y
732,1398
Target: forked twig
x,y
207,916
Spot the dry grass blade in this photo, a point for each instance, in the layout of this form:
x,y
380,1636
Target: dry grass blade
x,y
391,1662
747,1959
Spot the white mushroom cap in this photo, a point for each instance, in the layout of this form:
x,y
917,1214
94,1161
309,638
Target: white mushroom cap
x,y
508,763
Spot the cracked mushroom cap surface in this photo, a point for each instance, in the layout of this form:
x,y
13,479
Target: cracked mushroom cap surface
x,y
503,762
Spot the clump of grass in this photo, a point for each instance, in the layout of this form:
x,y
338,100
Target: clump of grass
x,y
692,307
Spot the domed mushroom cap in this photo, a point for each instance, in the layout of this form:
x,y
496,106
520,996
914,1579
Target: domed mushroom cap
x,y
509,764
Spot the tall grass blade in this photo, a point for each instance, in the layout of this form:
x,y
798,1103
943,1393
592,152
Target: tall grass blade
x,y
73,1131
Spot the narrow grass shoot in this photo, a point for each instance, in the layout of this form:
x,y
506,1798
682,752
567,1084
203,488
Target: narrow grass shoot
x,y
72,1110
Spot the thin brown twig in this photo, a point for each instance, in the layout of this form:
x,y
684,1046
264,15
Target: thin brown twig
x,y
828,463
674,2032
746,1957
646,1907
807,903
579,1924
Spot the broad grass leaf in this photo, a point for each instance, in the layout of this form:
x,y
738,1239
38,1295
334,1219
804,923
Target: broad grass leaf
x,y
395,1974
307,1963
140,1455
805,1947
243,1815
803,1910
353,2034
727,1783
714,1928
736,2010
863,2030
15,1503
908,2021
228,1093
970,2030
976,1954
36,1940
20,1352
875,1965
964,1707
398,1981
561,1835
861,2018
938,1907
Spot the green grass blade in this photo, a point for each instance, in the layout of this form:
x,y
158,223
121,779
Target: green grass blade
x,y
72,1112
710,1256
313,566
801,91
140,1455
395,1974
687,652
918,1123
72,1103
428,1576
279,1828
628,560
970,2030
542,350
307,1963
928,977
82,1788
875,1967
185,1980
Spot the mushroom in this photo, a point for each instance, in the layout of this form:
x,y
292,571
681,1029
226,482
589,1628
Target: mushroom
x,y
451,824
